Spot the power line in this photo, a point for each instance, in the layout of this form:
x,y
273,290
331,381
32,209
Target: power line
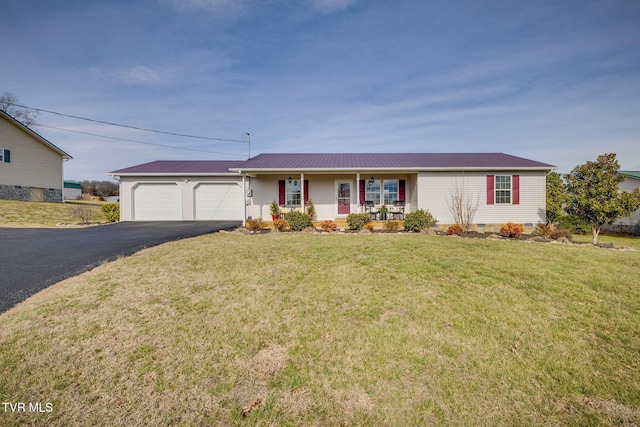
x,y
125,126
134,141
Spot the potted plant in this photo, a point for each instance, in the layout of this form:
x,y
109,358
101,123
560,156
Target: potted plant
x,y
311,209
275,210
383,212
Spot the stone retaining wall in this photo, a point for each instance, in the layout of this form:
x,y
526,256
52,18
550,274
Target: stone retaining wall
x,y
16,192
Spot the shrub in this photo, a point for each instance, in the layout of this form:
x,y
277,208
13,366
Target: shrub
x,y
329,226
368,226
83,212
454,229
255,224
280,224
512,230
562,233
311,209
391,225
298,221
111,212
357,221
574,224
544,230
419,220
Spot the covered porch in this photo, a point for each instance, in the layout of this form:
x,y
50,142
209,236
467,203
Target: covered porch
x,y
381,194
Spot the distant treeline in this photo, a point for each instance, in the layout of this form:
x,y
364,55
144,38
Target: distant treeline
x,y
100,188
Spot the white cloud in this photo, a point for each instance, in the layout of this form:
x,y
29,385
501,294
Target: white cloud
x,y
139,75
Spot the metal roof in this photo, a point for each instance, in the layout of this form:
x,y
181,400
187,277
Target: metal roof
x,y
337,162
408,161
180,167
632,174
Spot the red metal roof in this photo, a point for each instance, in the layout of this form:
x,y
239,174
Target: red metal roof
x,y
177,167
414,161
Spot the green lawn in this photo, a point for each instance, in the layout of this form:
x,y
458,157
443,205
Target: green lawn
x,y
363,330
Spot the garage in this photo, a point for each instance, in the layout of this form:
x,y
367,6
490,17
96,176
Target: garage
x,y
157,202
218,201
181,190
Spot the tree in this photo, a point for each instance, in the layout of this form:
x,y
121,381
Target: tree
x,y
100,188
593,195
8,104
462,204
556,197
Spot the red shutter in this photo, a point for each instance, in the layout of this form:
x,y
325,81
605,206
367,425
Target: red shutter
x,y
306,191
490,189
401,191
282,195
515,184
362,192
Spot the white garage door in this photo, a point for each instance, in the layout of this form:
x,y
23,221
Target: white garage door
x,y
157,202
221,201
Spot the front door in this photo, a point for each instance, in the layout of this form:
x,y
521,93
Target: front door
x,y
343,189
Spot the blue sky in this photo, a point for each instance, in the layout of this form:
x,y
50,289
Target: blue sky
x,y
553,81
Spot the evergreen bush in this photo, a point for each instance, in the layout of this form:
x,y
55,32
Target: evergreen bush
x,y
298,221
357,221
111,212
419,220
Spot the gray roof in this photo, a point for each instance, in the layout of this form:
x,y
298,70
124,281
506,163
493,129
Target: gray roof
x,y
410,161
180,167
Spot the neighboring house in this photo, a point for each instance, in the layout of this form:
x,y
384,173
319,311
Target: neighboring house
x,y
630,224
506,188
72,190
30,166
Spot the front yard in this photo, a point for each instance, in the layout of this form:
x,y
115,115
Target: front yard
x,y
307,329
40,214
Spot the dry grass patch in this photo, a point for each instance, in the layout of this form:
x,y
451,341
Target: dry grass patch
x,y
41,214
290,329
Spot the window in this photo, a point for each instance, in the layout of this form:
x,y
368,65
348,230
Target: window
x,y
293,192
382,191
503,189
1,155
391,187
4,156
372,191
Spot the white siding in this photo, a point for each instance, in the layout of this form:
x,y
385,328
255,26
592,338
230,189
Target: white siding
x,y
33,164
629,222
434,191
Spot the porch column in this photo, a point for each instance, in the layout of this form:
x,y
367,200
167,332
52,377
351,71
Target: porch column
x,y
357,188
244,199
302,189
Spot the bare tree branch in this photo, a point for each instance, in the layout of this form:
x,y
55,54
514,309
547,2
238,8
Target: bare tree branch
x,y
25,116
461,203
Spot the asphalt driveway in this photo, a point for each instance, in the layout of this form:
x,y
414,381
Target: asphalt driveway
x,y
32,259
